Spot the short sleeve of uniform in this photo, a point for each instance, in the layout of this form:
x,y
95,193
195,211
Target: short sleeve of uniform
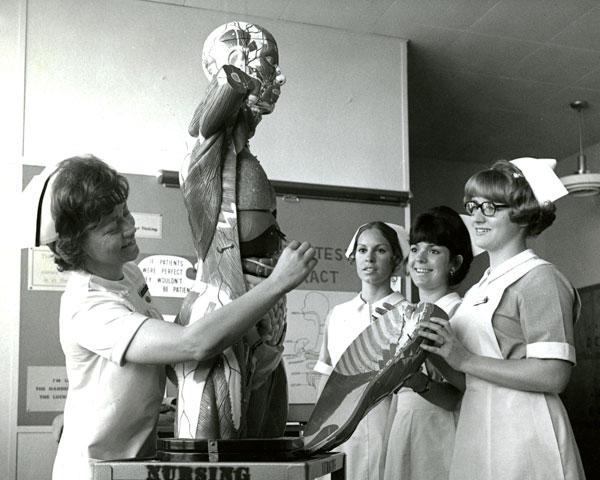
x,y
547,306
106,324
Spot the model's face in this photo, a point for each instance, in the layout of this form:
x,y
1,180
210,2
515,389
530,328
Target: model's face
x,y
111,244
263,65
374,258
494,233
253,50
429,266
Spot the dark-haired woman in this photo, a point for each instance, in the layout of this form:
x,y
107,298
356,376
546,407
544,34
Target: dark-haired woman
x,y
376,251
115,343
511,340
423,424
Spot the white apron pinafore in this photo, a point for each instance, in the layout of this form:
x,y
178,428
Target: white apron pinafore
x,y
502,433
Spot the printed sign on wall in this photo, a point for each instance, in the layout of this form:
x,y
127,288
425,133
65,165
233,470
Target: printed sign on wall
x,y
46,389
148,225
42,272
307,311
168,275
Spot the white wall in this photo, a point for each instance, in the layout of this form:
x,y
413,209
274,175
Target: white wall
x,y
121,78
12,21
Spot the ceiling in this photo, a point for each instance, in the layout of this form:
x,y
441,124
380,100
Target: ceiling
x,y
487,79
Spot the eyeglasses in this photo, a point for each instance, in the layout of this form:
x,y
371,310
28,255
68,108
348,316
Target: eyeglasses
x,y
487,208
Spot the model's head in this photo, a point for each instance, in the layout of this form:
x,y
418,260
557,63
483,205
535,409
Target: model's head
x,y
505,184
252,49
385,234
85,190
440,246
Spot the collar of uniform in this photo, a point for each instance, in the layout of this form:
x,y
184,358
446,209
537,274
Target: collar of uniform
x,y
113,285
360,303
447,300
508,265
96,282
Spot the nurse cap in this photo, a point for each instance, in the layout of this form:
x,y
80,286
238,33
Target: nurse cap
x,y
401,233
39,228
539,173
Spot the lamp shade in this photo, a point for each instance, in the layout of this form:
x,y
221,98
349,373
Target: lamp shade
x,y
582,184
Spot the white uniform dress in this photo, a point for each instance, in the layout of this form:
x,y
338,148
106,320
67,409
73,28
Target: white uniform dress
x,y
112,406
421,434
524,308
365,449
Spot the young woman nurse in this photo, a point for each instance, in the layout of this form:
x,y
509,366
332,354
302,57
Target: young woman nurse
x,y
115,342
511,341
377,253
423,421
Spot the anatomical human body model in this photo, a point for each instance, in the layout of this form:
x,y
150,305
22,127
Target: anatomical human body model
x,y
377,362
231,209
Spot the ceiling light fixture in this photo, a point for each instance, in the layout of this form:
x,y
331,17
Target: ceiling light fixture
x,y
582,183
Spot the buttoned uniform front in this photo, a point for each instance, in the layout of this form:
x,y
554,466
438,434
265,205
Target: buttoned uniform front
x,y
523,308
421,434
112,406
365,449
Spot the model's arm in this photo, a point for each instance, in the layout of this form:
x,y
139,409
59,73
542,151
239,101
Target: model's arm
x,y
161,342
222,100
529,374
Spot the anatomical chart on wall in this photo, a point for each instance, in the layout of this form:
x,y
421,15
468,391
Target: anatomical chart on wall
x,y
307,311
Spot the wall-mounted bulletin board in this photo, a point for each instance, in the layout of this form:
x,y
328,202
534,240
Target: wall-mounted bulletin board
x,y
582,396
326,216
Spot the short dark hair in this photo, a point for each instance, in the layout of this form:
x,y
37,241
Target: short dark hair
x,y
505,183
389,234
84,190
443,226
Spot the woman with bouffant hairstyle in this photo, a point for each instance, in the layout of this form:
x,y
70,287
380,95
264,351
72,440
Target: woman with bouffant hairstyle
x,y
510,344
82,196
505,184
422,425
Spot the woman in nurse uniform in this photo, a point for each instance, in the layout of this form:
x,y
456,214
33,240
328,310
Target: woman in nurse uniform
x,y
423,423
377,249
510,345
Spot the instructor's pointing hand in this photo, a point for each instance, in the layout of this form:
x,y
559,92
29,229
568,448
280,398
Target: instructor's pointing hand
x,y
295,263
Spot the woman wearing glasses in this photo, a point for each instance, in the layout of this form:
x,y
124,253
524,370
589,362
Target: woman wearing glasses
x,y
510,345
